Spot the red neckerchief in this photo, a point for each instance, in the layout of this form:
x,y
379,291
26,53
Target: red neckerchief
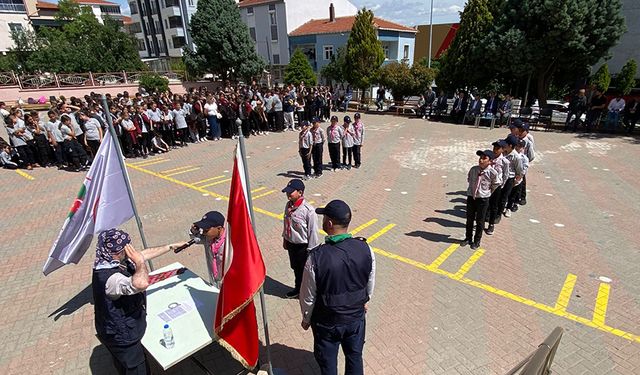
x,y
287,218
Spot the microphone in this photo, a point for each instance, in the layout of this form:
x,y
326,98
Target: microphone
x,y
192,241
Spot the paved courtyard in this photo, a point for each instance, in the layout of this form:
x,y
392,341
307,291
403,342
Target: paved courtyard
x,y
568,258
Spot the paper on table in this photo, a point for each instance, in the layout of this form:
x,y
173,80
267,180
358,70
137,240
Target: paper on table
x,y
175,312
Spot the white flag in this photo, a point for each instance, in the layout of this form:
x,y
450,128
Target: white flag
x,y
102,203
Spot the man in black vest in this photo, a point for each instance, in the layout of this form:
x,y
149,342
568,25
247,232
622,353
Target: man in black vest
x,y
338,281
120,277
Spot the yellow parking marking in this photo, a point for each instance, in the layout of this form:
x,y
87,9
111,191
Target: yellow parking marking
x,y
565,294
442,257
151,163
258,189
263,194
216,183
468,264
363,226
597,322
183,171
380,232
602,300
146,161
25,175
176,169
207,179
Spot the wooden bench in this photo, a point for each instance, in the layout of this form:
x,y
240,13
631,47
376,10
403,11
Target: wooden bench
x,y
409,105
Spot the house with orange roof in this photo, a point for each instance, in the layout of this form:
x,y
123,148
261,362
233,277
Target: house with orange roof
x,y
320,39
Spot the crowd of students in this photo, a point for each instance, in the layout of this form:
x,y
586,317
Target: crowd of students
x,y
498,184
150,124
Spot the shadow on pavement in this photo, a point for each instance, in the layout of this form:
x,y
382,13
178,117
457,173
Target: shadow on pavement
x,y
453,212
433,237
445,222
291,174
275,288
74,304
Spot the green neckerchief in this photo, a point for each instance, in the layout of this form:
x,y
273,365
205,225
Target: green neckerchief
x,y
336,238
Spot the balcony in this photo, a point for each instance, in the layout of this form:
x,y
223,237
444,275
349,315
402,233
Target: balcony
x,y
12,7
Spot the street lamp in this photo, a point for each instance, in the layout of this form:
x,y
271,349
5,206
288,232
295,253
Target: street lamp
x,y
430,32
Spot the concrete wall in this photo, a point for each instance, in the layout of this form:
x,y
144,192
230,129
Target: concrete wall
x,y
299,12
260,20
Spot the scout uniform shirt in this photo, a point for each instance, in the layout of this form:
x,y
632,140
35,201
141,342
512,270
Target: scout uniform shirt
x,y
347,136
335,133
482,182
300,223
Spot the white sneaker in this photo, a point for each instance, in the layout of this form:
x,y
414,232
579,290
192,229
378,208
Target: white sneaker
x,y
507,213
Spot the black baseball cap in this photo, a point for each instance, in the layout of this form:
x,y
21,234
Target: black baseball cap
x,y
499,143
293,185
336,209
210,219
334,118
488,153
517,124
357,115
305,123
521,143
347,119
315,119
511,140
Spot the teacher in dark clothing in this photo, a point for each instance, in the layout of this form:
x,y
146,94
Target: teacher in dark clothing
x,y
337,283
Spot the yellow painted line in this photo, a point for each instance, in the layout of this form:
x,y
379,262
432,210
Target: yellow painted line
x,y
363,226
380,232
514,297
442,257
181,183
468,264
565,294
597,322
183,171
216,183
151,163
258,189
207,179
146,161
25,175
263,194
176,169
602,301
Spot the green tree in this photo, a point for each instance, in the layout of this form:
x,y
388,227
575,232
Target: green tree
x,y
299,70
335,70
68,10
544,37
223,43
463,64
601,78
423,76
154,83
364,51
397,77
626,79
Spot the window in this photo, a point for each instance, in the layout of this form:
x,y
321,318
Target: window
x,y
385,49
141,46
272,19
272,7
12,6
178,41
175,21
154,9
250,11
252,33
135,27
15,27
405,54
146,23
166,24
158,25
162,48
190,3
134,7
328,52
276,59
274,33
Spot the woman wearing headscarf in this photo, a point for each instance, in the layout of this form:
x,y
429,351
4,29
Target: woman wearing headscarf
x,y
120,278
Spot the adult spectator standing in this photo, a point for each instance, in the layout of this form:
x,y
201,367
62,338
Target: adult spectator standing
x,y
278,112
577,106
631,113
211,110
338,281
596,107
429,98
180,118
93,134
380,96
288,107
358,139
300,232
120,278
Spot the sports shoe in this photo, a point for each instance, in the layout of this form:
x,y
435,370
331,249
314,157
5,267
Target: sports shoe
x,y
507,213
306,177
514,208
523,202
464,242
475,246
293,294
497,219
490,230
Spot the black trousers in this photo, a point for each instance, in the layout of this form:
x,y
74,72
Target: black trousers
x,y
271,119
494,205
476,211
523,189
93,145
317,151
346,153
26,154
356,155
42,146
279,121
128,360
514,197
58,154
297,259
327,340
75,153
306,160
334,154
504,197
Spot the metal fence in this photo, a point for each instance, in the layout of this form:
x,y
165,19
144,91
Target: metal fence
x,y
59,80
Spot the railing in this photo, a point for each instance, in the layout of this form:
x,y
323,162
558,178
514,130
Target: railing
x,y
539,362
17,8
61,80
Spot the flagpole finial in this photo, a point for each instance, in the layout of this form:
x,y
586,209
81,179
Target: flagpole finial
x,y
239,125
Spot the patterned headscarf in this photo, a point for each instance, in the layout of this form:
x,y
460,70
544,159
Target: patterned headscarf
x,y
110,242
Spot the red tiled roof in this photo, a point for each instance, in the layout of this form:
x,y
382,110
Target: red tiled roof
x,y
344,24
127,20
251,3
46,5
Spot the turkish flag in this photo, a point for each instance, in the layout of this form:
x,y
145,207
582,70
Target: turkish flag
x,y
244,273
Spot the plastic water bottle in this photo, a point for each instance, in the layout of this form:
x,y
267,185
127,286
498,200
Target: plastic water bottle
x,y
169,343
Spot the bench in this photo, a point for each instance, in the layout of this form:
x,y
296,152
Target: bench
x,y
409,105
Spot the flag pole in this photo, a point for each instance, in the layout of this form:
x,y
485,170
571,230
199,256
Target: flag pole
x,y
114,137
253,224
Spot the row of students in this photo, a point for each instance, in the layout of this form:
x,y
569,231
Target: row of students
x,y
497,185
311,145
